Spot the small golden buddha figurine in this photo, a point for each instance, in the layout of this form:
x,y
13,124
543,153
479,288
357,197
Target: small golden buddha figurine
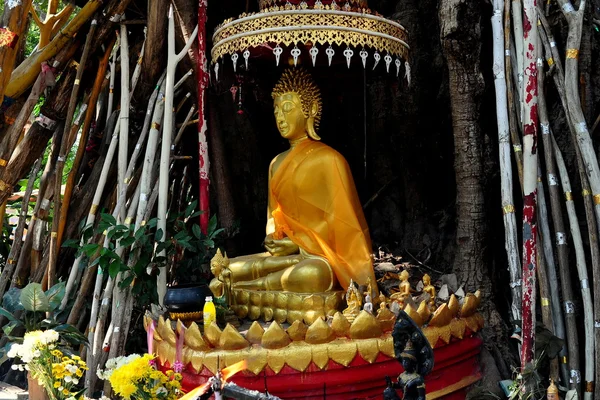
x,y
552,392
382,304
404,287
317,235
354,303
429,289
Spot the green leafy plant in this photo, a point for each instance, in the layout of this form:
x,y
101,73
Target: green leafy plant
x,y
33,309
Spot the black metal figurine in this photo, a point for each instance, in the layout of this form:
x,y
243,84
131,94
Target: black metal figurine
x,y
414,352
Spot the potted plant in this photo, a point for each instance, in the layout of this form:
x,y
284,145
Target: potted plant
x,y
190,251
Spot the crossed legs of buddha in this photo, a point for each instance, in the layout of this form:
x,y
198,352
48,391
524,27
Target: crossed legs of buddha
x,y
294,273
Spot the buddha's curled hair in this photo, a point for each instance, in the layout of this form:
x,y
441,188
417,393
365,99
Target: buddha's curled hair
x,y
299,81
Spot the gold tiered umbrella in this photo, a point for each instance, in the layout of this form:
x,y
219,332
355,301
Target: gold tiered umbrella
x,y
321,30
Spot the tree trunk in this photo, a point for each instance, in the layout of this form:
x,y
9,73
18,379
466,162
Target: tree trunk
x,y
461,43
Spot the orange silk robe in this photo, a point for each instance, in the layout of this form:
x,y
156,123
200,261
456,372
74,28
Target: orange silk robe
x,y
314,202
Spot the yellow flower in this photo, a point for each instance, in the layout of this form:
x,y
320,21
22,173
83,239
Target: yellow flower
x,y
79,372
66,392
57,384
178,377
57,353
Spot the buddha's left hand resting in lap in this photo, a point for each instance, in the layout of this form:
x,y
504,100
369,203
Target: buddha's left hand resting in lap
x,y
317,237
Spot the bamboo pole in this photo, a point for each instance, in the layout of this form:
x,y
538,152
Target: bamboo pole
x,y
173,60
124,116
553,59
9,268
89,116
506,174
113,69
529,182
64,148
588,312
512,118
544,284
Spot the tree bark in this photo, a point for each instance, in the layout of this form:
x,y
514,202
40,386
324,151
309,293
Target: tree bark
x,y
461,43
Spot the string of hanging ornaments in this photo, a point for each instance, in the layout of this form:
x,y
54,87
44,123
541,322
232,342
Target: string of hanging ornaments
x,y
319,30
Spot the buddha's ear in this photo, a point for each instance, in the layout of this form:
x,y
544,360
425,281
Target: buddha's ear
x,y
310,124
314,109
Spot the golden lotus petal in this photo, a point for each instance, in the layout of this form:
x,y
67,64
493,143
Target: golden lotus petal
x,y
255,333
293,316
424,311
319,332
441,317
212,333
313,302
193,338
413,314
281,300
275,337
165,352
365,326
294,302
432,335
214,361
257,360
445,333
342,351
196,358
297,331
232,357
166,331
254,312
276,360
386,345
280,315
267,314
298,356
453,305
472,323
469,306
268,299
368,349
255,299
320,355
478,296
457,328
231,339
340,325
332,303
386,319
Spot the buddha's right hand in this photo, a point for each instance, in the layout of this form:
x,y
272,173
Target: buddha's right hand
x,y
280,247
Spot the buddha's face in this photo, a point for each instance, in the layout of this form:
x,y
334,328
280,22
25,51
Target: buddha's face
x,y
426,280
289,117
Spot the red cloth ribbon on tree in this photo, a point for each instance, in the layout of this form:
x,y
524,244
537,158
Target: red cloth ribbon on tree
x,y
8,38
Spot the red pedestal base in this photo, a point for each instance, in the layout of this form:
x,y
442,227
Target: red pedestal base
x,y
456,368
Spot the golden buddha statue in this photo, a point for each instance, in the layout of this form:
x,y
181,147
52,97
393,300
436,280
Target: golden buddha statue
x,y
404,287
317,236
430,290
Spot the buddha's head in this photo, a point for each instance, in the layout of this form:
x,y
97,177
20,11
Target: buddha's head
x,y
404,275
297,105
426,280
